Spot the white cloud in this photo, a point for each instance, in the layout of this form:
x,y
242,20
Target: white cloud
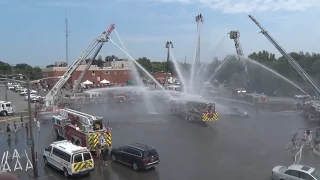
x,y
246,6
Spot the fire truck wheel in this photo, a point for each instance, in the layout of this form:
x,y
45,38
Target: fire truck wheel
x,y
57,133
78,143
72,140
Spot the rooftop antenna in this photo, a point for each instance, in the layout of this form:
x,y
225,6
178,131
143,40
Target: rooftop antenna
x,y
67,37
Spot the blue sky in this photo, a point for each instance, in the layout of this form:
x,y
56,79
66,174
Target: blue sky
x,y
32,31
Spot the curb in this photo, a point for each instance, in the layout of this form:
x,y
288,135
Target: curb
x,y
11,119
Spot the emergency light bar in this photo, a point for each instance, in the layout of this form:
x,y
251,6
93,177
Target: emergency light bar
x,y
60,142
80,150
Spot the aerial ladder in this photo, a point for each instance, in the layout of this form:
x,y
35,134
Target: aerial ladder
x,y
235,35
291,61
50,97
89,63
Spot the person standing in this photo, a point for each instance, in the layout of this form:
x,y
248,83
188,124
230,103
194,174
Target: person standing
x,y
105,157
15,126
21,119
98,149
38,124
8,128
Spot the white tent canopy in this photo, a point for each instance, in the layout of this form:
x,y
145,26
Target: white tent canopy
x,y
105,82
87,82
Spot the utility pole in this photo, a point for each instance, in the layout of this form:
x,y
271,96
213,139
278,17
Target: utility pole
x,y
31,139
67,37
168,46
6,86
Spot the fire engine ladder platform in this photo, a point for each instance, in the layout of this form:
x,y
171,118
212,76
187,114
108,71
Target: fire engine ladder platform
x,y
50,97
85,119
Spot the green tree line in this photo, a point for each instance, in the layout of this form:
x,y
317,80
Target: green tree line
x,y
21,71
230,70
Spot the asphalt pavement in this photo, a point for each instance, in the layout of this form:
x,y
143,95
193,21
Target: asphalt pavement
x,y
232,148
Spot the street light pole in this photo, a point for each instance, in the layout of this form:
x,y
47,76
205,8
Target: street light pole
x,y
35,167
6,86
168,46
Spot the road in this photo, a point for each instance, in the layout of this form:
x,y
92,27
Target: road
x,y
233,148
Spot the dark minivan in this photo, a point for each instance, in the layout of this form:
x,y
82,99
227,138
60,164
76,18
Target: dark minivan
x,y
139,156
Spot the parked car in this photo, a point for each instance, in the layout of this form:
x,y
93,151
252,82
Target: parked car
x,y
295,172
33,97
139,156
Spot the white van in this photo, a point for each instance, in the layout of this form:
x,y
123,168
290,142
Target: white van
x,y
6,108
69,158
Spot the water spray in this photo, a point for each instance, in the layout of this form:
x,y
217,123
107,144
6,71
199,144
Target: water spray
x,y
138,78
137,64
178,70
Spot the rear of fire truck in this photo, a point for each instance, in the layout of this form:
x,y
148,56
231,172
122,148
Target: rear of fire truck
x,y
195,111
100,137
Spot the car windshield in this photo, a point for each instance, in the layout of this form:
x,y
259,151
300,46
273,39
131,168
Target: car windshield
x,y
316,175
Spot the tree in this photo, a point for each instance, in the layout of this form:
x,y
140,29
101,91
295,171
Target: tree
x,y
145,63
24,69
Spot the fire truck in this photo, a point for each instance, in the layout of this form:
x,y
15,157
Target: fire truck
x,y
255,98
194,111
82,129
311,110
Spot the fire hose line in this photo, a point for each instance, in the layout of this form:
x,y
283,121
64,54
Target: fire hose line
x,y
297,157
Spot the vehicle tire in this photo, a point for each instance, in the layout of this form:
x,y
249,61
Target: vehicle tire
x,y
45,161
113,158
57,133
72,140
5,113
78,143
65,172
135,167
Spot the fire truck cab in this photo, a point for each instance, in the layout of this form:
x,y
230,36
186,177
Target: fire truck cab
x,y
312,110
81,129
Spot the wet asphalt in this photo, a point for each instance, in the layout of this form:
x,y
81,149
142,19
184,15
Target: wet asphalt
x,y
232,148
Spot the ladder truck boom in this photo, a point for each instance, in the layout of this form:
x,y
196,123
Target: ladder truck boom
x,y
89,63
235,35
49,98
291,61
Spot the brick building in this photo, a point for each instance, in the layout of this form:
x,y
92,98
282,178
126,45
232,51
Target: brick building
x,y
95,74
160,76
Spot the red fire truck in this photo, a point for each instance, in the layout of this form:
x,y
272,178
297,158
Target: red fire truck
x,y
82,129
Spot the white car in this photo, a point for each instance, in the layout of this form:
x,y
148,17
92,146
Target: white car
x,y
295,172
33,97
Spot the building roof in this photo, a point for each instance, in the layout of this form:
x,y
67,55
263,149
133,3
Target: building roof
x,y
68,147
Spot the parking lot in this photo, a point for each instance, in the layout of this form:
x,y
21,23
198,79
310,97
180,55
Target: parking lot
x,y
232,148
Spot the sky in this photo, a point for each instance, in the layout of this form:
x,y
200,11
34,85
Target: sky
x,y
33,31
